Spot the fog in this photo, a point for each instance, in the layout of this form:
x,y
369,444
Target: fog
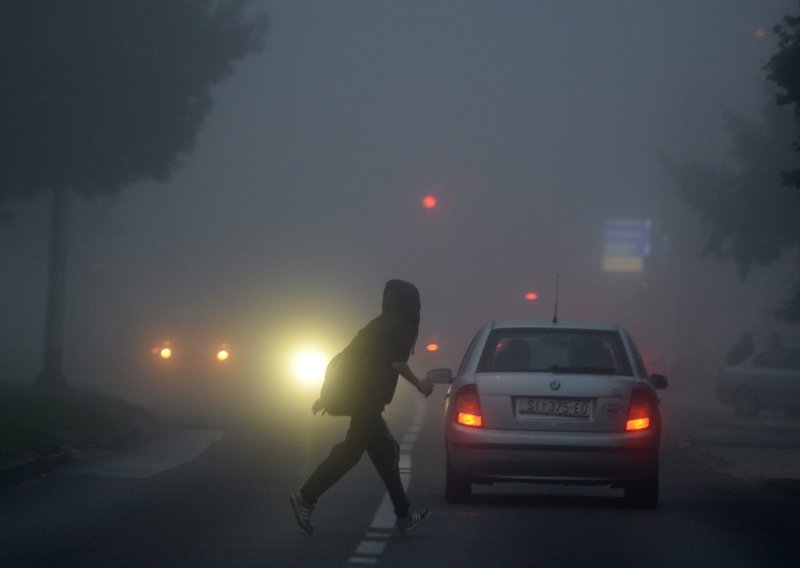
x,y
530,122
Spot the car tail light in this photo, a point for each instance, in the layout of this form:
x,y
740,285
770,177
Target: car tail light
x,y
641,412
468,409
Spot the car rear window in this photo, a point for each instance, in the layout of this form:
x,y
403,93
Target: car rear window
x,y
554,350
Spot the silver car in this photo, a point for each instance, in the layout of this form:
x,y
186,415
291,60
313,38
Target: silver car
x,y
566,403
770,379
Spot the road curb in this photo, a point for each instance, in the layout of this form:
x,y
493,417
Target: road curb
x,y
702,443
28,469
785,487
756,454
14,473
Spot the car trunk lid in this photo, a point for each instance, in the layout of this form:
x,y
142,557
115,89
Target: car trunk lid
x,y
548,402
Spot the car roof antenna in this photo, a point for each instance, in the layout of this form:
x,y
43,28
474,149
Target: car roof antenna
x,y
555,310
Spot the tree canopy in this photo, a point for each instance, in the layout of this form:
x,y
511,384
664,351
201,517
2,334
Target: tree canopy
x,y
747,214
784,69
751,213
98,94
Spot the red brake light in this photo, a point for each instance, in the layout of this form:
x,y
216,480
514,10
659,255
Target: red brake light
x,y
468,409
640,413
429,202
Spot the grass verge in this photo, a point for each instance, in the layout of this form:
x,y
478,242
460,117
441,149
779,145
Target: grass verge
x,y
37,422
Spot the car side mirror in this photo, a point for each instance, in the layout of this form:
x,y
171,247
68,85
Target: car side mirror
x,y
659,381
440,376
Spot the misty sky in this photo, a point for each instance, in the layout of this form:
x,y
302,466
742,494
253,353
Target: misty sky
x,y
530,121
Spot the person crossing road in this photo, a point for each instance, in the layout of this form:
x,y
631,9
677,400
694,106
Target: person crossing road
x,y
386,344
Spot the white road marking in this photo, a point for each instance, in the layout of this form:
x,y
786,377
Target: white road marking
x,y
368,551
370,547
354,560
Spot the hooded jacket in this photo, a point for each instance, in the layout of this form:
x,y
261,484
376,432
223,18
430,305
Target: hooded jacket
x,y
387,339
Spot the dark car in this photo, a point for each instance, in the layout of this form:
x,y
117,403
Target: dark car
x,y
768,380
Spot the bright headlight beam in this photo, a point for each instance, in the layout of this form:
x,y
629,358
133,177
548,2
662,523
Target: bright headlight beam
x,y
309,366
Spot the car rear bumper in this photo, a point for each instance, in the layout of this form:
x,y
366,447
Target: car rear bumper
x,y
602,458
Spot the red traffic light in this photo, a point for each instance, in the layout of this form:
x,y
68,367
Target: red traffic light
x,y
429,202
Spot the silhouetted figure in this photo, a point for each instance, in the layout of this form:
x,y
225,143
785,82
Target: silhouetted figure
x,y
741,350
389,340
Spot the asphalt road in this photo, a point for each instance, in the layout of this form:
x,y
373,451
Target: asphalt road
x,y
198,498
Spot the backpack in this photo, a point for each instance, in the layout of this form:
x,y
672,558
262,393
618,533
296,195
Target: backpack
x,y
342,388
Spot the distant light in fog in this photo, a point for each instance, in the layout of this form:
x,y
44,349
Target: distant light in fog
x,y
429,202
223,355
531,296
761,33
165,352
432,347
309,366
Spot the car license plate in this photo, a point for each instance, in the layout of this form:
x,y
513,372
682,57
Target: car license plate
x,y
553,407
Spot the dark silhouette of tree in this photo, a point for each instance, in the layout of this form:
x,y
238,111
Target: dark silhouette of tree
x,y
747,214
784,70
98,94
752,213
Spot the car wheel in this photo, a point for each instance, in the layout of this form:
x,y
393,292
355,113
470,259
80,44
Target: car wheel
x,y
457,488
643,494
746,404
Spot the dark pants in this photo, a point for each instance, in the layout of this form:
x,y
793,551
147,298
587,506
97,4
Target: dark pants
x,y
368,432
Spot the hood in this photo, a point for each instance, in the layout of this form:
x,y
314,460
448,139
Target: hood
x,y
402,298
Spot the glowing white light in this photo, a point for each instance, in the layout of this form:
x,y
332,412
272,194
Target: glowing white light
x,y
309,366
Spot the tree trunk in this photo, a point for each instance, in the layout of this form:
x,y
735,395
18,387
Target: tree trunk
x,y
52,374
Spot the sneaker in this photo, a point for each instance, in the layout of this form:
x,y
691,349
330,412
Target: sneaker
x,y
411,521
302,511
